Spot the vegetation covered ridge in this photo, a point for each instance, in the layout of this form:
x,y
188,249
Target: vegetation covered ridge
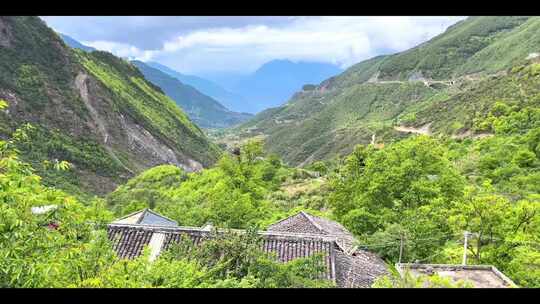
x,y
368,100
94,110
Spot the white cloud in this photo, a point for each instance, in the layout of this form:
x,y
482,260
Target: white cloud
x,y
265,42
122,49
339,40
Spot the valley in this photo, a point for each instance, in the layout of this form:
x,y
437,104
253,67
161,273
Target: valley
x,y
417,157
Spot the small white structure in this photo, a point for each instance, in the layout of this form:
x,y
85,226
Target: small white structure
x,y
43,209
533,55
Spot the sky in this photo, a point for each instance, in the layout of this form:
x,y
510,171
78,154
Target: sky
x,y
227,44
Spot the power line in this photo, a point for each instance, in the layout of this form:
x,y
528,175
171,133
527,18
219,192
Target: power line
x,y
398,241
430,257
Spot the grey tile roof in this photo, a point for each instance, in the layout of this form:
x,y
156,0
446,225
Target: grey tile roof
x,y
299,236
354,267
359,269
305,222
146,217
128,241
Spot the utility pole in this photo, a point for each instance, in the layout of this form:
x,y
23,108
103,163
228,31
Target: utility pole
x,y
466,237
400,246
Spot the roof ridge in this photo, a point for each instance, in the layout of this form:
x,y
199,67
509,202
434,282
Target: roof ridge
x,y
160,215
310,219
283,219
139,220
339,237
333,222
131,214
152,227
173,229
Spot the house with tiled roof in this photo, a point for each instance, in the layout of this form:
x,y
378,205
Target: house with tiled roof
x,y
299,236
356,267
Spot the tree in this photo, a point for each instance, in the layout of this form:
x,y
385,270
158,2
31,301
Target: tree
x,y
406,188
484,215
56,248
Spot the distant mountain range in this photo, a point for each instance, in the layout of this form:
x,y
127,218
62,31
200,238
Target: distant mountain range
x,y
269,86
275,82
202,109
230,100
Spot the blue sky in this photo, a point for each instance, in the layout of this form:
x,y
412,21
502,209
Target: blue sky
x,y
227,44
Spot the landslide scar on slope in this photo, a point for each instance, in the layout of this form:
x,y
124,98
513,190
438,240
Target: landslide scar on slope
x,y
139,139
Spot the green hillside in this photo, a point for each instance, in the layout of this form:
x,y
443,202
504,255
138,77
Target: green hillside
x,y
435,87
92,109
203,110
424,156
443,56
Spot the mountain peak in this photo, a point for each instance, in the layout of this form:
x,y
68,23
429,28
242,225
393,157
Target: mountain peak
x,y
75,44
202,109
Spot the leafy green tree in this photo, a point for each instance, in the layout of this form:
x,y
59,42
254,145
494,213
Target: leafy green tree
x,y
405,188
56,247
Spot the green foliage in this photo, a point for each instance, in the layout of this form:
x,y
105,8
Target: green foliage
x,y
409,280
232,194
237,257
319,166
66,247
49,150
148,104
146,190
407,175
452,51
424,193
57,248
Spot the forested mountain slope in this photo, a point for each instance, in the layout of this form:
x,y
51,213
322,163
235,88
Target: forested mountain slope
x,y
76,44
94,110
230,100
202,109
441,86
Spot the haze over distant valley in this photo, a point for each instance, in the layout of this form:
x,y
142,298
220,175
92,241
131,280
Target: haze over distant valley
x,y
249,64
